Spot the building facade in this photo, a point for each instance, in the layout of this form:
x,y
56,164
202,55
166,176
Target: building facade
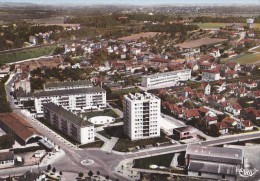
x,y
75,100
142,114
70,124
166,78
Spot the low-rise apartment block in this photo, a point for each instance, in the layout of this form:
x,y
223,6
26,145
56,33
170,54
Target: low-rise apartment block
x,y
142,114
70,124
166,78
75,100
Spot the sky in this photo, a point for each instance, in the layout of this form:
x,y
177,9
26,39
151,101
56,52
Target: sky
x,y
137,2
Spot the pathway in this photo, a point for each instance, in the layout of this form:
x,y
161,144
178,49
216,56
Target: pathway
x,y
109,145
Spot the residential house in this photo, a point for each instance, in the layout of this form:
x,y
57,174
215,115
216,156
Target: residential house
x,y
210,75
246,111
231,123
206,88
220,86
248,83
254,94
219,128
247,125
234,108
241,92
187,92
209,120
206,65
231,74
233,66
191,114
254,116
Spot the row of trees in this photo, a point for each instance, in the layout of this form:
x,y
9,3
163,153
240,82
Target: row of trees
x,y
4,104
209,19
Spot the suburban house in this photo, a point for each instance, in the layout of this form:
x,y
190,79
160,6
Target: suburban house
x,y
254,115
246,125
248,83
210,75
220,128
232,123
234,108
191,114
210,120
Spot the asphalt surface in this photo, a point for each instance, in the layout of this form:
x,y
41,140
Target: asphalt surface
x,y
107,162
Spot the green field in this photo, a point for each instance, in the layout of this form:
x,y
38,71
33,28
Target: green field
x,y
107,112
219,25
247,59
26,54
161,160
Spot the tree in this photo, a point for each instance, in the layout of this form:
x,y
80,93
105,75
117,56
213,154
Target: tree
x,y
54,170
60,172
81,174
98,173
90,174
107,177
49,167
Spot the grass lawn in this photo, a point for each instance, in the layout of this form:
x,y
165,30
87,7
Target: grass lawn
x,y
97,144
107,112
160,160
26,54
247,58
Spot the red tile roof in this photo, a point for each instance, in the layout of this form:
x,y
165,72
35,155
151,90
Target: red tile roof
x,y
192,113
18,125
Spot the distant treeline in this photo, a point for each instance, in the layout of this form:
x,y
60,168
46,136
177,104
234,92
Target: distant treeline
x,y
171,28
106,21
208,19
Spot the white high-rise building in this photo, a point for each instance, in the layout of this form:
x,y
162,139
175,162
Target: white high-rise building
x,y
142,113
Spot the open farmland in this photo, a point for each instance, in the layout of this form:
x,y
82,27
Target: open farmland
x,y
26,54
247,58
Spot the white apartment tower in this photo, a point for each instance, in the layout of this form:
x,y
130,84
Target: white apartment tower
x,y
141,116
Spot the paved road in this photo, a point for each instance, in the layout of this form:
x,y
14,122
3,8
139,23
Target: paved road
x,y
106,163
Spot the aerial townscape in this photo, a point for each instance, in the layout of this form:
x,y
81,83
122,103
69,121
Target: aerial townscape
x,y
129,91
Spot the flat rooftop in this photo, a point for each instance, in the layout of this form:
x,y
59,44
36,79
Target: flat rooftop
x,y
69,92
198,43
167,73
141,96
215,152
68,84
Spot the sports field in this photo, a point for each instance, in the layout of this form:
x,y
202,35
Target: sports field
x,y
247,59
